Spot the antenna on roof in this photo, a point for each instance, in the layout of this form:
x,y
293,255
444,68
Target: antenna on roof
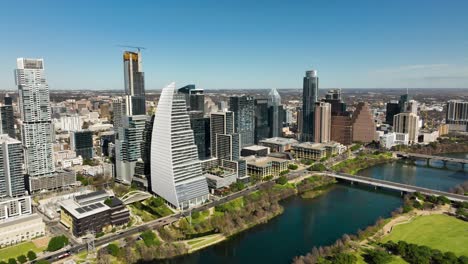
x,y
133,47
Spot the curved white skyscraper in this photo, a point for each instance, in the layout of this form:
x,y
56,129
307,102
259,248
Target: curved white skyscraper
x,y
176,173
274,101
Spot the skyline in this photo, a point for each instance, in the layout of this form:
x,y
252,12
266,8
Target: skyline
x,y
263,44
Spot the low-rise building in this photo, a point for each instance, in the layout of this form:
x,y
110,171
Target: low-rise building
x,y
24,228
278,144
260,167
255,150
309,150
14,207
220,178
94,212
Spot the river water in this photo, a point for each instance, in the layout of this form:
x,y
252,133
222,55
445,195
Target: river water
x,y
306,223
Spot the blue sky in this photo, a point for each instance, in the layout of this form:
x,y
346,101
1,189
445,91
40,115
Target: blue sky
x,y
240,44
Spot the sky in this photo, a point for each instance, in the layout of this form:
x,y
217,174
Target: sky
x,y
241,43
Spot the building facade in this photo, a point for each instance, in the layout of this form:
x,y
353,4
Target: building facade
x,y
262,124
342,129
134,79
407,123
82,143
457,115
21,229
322,119
220,123
176,174
244,118
363,124
11,167
310,92
7,120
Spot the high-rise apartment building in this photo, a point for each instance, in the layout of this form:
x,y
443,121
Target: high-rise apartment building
x,y
220,123
322,124
7,120
342,129
134,83
244,118
457,115
119,107
36,130
363,124
34,105
310,92
333,97
228,146
128,147
201,132
143,166
11,167
82,143
407,123
392,109
176,173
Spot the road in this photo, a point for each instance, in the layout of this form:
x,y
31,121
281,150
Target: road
x,y
53,256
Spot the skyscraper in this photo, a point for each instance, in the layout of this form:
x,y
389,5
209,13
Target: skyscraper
x,y
322,124
221,123
407,123
277,114
134,83
201,132
310,92
363,124
333,97
11,170
82,143
392,109
36,129
128,147
143,166
457,115
7,125
176,174
262,124
119,109
194,98
244,118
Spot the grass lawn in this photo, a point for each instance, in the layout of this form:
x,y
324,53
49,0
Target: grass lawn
x,y
16,250
435,231
203,241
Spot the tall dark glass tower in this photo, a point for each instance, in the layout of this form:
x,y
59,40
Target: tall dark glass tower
x,y
262,124
244,118
309,98
194,98
333,97
7,125
201,132
134,83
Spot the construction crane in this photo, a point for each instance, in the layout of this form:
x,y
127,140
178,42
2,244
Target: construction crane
x,y
133,47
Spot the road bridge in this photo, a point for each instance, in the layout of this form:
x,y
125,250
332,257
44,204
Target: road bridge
x,y
396,186
430,157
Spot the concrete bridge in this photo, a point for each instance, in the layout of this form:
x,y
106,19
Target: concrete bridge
x,y
404,188
135,196
430,157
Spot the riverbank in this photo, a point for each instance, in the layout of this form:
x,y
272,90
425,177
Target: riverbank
x,y
363,161
448,145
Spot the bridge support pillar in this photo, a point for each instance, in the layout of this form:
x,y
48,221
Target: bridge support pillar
x,y
428,162
445,164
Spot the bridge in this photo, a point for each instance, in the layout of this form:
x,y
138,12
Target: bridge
x,y
396,186
135,196
430,157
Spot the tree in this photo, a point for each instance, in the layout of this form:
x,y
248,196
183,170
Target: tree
x,y
22,259
317,167
113,249
12,261
31,255
377,256
149,238
282,180
57,243
343,258
292,166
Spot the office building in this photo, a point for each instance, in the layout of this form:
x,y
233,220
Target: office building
x,y
128,147
262,124
82,143
176,174
403,102
143,165
7,120
393,108
278,144
119,107
276,114
201,132
92,212
21,229
308,150
228,146
333,97
407,123
255,150
244,118
194,98
220,123
342,129
15,207
322,121
309,98
363,124
106,138
261,167
134,79
457,115
11,167
36,129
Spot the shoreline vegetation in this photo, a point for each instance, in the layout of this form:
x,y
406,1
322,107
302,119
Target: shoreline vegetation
x,y
363,161
446,145
202,229
411,235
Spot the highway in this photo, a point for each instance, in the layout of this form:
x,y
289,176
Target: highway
x,y
53,256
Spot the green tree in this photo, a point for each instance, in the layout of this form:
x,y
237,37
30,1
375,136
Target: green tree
x,y
57,243
149,238
31,255
113,249
317,167
282,180
292,167
377,257
22,259
12,261
343,258
3,262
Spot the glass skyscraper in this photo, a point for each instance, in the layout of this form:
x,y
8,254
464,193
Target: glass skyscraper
x,y
134,83
310,92
244,118
7,125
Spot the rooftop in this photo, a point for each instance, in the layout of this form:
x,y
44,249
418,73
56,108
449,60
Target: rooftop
x,y
262,161
78,211
255,148
310,145
20,220
279,140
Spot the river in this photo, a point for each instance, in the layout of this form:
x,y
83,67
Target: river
x,y
306,223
